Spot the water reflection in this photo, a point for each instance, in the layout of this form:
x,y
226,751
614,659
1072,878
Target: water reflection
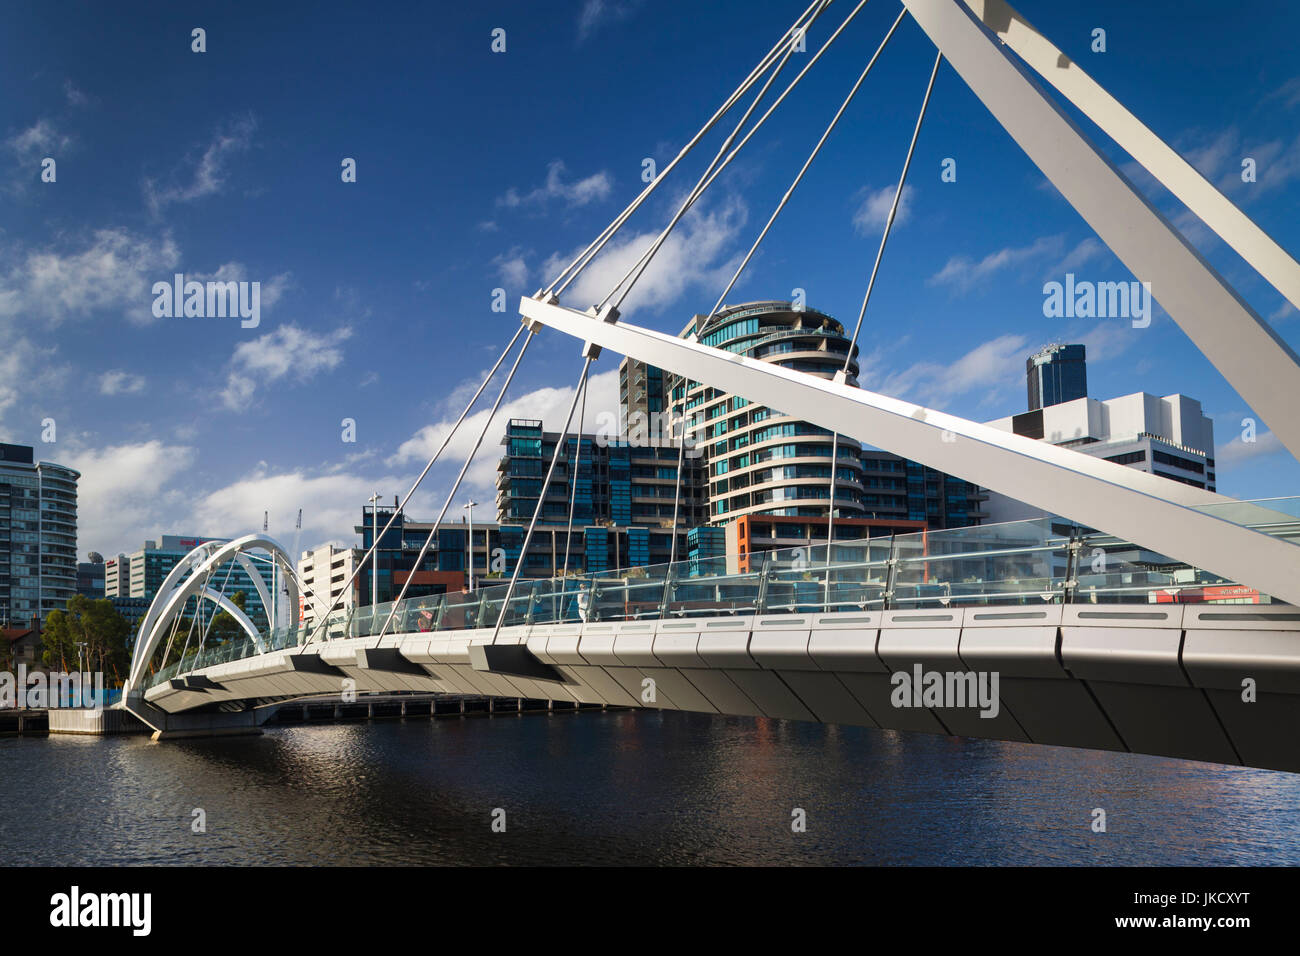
x,y
626,787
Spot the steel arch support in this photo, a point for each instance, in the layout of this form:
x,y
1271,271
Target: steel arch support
x,y
234,610
1135,506
1246,351
174,593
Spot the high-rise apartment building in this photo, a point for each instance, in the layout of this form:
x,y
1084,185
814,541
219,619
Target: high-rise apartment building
x,y
769,474
323,575
759,460
641,402
38,535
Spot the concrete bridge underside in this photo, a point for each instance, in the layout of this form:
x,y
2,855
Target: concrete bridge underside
x,y
1203,682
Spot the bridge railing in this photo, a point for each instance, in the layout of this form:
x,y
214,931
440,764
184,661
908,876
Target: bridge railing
x,y
1032,562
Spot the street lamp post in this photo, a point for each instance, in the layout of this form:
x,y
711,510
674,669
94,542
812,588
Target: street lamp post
x,y
81,675
469,506
374,542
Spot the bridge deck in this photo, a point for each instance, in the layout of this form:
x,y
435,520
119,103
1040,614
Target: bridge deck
x,y
1156,679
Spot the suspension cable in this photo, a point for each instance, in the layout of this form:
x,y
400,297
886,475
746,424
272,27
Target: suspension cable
x,y
871,283
433,530
573,495
230,566
584,258
640,267
642,263
681,464
347,586
808,162
198,611
541,498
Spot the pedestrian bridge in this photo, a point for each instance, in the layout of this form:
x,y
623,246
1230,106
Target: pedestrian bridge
x,y
1089,641
1156,617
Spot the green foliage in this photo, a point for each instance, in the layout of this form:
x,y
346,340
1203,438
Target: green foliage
x,y
98,627
224,626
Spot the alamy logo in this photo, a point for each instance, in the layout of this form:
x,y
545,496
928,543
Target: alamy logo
x,y
946,689
53,690
74,908
1098,300
211,300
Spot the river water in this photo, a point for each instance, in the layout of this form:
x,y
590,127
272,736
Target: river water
x,y
625,787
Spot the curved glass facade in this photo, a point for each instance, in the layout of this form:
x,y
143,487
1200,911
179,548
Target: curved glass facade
x,y
760,461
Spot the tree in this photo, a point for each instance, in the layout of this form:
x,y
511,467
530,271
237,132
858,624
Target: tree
x,y
96,625
224,626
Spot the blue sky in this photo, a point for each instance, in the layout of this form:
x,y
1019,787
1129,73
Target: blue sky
x,y
478,170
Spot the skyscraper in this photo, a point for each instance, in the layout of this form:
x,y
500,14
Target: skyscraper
x,y
38,535
1055,374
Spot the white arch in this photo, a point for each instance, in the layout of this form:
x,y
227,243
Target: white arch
x,y
177,589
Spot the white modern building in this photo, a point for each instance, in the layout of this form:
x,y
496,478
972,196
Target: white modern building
x,y
1170,437
323,574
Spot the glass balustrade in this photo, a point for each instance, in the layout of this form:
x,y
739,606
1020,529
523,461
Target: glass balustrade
x,y
1035,562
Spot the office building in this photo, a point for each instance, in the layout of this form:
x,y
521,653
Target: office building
x,y
619,482
133,609
1056,374
496,551
90,576
1170,437
38,535
149,566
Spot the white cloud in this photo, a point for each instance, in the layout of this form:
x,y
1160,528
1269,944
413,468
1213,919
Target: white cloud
x,y
38,141
107,269
874,210
1087,250
119,382
597,13
209,173
595,187
512,268
270,290
1238,451
964,273
690,259
74,95
331,505
124,492
289,351
991,368
25,370
549,405
1288,92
